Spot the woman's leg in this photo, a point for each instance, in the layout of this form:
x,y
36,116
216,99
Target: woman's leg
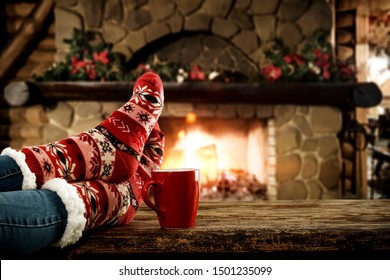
x,y
11,177
94,203
111,151
29,221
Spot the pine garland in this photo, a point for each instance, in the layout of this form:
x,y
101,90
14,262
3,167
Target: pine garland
x,y
87,62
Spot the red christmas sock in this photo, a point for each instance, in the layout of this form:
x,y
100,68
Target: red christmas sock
x,y
111,151
94,203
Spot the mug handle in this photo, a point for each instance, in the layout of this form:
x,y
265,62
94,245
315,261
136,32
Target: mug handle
x,y
145,190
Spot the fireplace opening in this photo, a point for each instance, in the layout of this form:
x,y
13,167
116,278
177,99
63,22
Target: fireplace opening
x,y
231,154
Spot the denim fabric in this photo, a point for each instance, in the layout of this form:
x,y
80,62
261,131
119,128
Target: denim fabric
x,y
29,219
11,176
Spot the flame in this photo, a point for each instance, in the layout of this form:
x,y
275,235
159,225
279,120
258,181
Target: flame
x,y
195,149
213,153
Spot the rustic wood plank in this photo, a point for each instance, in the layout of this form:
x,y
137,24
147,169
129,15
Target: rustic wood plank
x,y
26,33
333,94
358,228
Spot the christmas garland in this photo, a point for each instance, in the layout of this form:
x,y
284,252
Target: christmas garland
x,y
88,62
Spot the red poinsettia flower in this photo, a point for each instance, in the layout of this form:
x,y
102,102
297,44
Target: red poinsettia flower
x,y
78,65
272,72
288,59
102,57
326,74
197,74
90,69
298,59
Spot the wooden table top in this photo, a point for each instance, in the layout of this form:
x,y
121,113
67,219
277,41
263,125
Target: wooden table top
x,y
263,229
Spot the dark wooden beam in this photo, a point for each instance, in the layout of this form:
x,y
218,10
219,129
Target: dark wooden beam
x,y
330,94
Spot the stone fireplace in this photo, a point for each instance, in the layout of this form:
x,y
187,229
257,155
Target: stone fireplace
x,y
300,153
292,150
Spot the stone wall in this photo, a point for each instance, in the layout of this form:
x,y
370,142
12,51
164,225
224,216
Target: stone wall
x,y
214,34
308,154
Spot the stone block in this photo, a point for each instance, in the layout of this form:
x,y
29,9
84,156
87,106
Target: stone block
x,y
63,114
188,6
205,110
310,145
243,4
123,49
178,109
246,111
156,31
328,146
88,109
265,27
136,19
291,34
288,167
218,8
52,133
263,7
325,119
303,125
241,18
288,139
32,115
110,107
330,173
93,12
113,10
292,190
283,114
226,111
317,16
66,21
247,41
161,9
315,189
304,110
84,125
135,40
113,33
197,22
176,23
224,28
292,10
265,111
309,166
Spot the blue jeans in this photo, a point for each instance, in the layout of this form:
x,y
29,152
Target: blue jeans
x,y
30,220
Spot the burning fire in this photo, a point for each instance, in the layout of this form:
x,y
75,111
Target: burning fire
x,y
195,149
221,157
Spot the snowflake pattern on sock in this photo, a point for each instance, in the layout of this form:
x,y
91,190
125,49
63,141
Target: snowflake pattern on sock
x,y
112,150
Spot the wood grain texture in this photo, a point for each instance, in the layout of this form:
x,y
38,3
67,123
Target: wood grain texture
x,y
340,228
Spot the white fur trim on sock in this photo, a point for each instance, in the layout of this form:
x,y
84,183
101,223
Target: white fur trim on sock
x,y
20,158
74,206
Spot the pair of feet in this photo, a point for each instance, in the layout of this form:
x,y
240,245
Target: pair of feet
x,y
98,173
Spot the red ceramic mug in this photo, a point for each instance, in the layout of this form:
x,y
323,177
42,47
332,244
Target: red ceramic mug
x,y
176,196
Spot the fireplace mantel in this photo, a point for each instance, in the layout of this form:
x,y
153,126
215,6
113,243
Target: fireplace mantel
x,y
342,95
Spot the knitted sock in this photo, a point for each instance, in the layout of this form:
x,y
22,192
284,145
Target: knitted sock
x,y
111,151
94,203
